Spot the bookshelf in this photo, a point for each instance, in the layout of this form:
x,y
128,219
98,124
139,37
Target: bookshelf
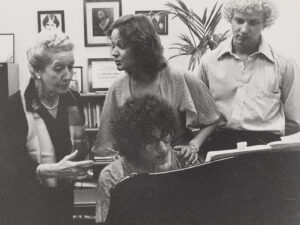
x,y
92,107
85,190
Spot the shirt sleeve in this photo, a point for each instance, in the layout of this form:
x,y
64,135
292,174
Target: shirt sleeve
x,y
202,72
207,112
290,99
103,197
108,178
104,141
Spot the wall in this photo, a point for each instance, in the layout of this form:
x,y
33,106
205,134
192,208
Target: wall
x,y
20,17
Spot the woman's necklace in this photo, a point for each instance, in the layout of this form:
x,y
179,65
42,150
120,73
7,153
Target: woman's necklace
x,y
155,92
50,107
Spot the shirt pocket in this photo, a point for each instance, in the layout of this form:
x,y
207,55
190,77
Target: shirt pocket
x,y
264,105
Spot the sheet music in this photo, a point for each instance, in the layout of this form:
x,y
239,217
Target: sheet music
x,y
214,155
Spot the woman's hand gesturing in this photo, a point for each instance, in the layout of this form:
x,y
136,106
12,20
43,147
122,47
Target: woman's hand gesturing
x,y
66,168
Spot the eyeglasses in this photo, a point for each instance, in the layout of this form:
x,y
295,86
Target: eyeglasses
x,y
153,141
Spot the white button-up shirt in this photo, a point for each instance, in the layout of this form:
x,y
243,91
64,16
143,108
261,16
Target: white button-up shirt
x,y
259,94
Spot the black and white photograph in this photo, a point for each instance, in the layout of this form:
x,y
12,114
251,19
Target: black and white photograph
x,y
149,112
51,20
98,17
102,20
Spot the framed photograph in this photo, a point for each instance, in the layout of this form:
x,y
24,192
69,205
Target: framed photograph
x,y
102,73
76,82
160,21
98,17
7,46
51,20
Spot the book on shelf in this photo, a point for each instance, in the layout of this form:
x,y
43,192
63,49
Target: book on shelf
x,y
104,159
92,112
85,184
92,94
287,142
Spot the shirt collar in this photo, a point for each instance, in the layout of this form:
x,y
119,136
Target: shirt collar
x,y
264,49
225,48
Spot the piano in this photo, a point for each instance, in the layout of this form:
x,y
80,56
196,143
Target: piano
x,y
257,188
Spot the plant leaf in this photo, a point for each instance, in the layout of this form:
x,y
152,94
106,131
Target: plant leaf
x,y
204,16
201,31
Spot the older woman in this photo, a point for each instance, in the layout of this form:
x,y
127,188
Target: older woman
x,y
43,123
143,129
137,50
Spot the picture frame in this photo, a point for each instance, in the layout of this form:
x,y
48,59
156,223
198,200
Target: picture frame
x,y
7,46
98,17
102,72
51,20
77,79
159,20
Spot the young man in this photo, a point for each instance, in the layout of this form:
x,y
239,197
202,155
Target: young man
x,y
254,87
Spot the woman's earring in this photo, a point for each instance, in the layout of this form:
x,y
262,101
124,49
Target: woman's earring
x,y
38,77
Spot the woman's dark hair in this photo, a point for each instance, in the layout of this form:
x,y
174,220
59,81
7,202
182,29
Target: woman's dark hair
x,y
135,121
51,17
139,34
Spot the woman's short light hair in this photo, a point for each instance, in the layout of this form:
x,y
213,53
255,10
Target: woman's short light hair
x,y
268,7
47,43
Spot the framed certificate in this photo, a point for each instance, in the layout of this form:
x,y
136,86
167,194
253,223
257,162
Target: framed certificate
x,y
102,72
7,43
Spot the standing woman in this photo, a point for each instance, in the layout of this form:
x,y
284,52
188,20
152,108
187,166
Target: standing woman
x,y
137,50
38,129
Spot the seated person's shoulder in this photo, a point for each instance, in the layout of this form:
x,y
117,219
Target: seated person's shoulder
x,y
112,173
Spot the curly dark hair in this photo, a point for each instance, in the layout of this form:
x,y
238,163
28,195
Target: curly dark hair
x,y
139,33
135,121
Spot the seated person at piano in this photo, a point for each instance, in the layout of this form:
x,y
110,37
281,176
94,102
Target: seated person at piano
x,y
143,131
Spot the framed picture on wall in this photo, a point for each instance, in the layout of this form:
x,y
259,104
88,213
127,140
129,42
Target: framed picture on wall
x,y
159,20
102,72
51,20
76,82
98,17
7,44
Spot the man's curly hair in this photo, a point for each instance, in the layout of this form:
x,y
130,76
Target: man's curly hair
x,y
135,121
268,7
139,34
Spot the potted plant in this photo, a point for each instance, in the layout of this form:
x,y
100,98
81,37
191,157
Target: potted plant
x,y
201,31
